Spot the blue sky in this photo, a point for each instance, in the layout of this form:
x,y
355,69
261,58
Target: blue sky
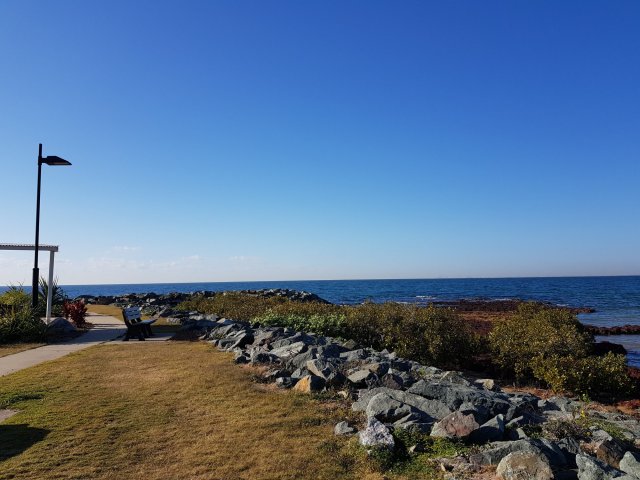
x,y
267,140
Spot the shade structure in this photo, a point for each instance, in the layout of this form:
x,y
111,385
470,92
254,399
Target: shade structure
x,y
52,249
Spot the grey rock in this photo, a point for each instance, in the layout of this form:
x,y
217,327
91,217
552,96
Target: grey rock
x,y
285,382
328,370
432,408
455,425
354,355
61,326
300,360
242,339
551,451
360,377
274,374
569,448
241,358
524,466
455,395
330,350
630,464
497,451
298,373
413,423
591,469
490,431
379,368
288,351
454,377
386,409
376,435
262,357
391,380
343,428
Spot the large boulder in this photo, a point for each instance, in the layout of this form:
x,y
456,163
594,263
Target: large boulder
x,y
388,410
453,396
524,466
433,408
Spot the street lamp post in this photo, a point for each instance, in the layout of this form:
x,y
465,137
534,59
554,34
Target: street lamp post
x,y
53,161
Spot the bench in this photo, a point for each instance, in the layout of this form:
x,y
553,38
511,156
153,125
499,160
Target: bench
x,y
136,327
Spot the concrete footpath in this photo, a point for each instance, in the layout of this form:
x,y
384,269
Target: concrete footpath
x,y
105,328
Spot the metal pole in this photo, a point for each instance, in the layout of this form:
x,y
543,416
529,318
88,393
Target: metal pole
x,y
36,272
52,255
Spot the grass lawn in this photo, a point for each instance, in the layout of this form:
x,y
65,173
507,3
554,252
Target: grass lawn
x,y
164,411
11,348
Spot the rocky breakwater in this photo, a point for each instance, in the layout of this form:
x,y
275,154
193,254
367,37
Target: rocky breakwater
x,y
164,304
525,436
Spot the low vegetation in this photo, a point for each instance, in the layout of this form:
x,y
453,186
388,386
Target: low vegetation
x,y
551,346
18,321
536,345
435,336
178,410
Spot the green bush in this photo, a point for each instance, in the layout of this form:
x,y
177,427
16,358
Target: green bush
x,y
21,325
591,375
435,336
18,321
329,324
430,335
536,331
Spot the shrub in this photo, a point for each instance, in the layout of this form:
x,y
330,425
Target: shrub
x,y
430,335
595,376
21,325
75,311
535,331
332,324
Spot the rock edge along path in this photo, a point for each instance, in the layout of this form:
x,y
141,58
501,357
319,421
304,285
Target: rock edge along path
x,y
105,328
394,394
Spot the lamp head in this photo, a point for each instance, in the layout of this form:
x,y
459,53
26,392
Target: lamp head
x,y
55,161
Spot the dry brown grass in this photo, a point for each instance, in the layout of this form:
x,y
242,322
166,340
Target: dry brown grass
x,y
162,411
11,348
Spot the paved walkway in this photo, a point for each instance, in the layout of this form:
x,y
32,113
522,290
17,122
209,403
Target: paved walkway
x,y
105,328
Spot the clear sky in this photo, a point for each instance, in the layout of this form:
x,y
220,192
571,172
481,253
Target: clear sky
x,y
268,140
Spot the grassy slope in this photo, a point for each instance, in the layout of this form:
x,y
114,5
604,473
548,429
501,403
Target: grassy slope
x,y
11,348
161,411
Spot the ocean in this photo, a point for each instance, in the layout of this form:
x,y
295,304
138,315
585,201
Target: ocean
x,y
615,299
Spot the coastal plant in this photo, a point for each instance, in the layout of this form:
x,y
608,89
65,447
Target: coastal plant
x,y
332,324
536,332
590,375
432,335
58,297
75,311
21,324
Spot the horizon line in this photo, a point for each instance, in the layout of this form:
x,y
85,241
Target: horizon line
x,y
358,279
